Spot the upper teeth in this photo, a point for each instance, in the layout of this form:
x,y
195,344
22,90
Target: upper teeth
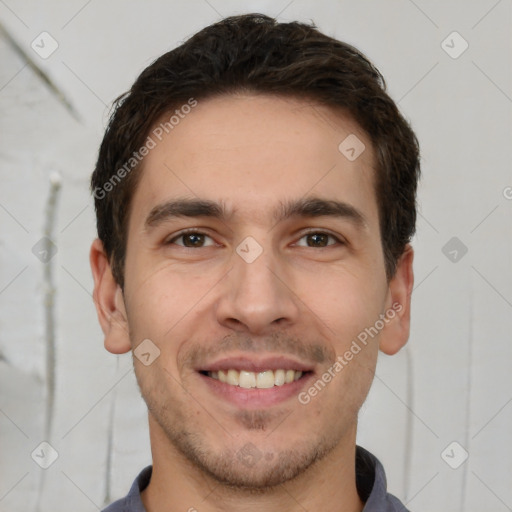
x,y
265,379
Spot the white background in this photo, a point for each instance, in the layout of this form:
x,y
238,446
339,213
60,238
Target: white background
x,y
451,383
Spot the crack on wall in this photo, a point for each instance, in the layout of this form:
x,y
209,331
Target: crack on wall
x,y
49,312
41,74
409,425
467,438
110,444
49,298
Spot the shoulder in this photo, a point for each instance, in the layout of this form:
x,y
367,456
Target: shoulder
x,y
372,486
132,501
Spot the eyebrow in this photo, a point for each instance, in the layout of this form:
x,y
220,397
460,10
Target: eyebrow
x,y
305,207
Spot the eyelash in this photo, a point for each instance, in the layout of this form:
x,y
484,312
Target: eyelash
x,y
197,232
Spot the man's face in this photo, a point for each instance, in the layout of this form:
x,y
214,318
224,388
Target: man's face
x,y
270,285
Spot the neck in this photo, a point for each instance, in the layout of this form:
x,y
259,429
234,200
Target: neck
x,y
177,484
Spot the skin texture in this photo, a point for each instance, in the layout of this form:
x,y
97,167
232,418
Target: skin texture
x,y
304,297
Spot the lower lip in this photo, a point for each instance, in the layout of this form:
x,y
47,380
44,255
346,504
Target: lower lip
x,y
254,398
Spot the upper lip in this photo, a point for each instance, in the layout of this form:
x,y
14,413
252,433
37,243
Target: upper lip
x,y
256,364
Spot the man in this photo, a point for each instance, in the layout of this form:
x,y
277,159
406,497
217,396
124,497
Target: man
x,y
255,197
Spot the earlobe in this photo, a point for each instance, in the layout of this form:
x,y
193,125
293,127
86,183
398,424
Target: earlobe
x,y
109,302
398,305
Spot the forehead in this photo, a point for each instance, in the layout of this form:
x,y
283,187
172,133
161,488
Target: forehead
x,y
248,151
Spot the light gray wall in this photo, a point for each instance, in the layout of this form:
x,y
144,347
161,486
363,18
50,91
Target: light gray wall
x,y
452,383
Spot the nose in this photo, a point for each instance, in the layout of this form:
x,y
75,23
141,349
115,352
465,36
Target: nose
x,y
257,296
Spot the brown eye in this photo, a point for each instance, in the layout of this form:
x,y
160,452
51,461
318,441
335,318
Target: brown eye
x,y
192,239
318,239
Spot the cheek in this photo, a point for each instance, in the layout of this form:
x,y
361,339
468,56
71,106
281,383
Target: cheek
x,y
350,306
347,302
159,300
160,392
167,307
338,401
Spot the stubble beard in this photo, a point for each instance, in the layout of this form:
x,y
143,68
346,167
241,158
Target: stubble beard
x,y
239,465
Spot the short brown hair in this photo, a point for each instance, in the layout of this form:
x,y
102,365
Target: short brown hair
x,y
254,53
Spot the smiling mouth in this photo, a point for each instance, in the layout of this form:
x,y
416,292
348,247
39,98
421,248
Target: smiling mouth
x,y
260,380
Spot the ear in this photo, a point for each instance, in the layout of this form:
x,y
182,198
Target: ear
x,y
396,332
109,302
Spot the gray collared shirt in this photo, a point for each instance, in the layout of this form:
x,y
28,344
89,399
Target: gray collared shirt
x,y
370,481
